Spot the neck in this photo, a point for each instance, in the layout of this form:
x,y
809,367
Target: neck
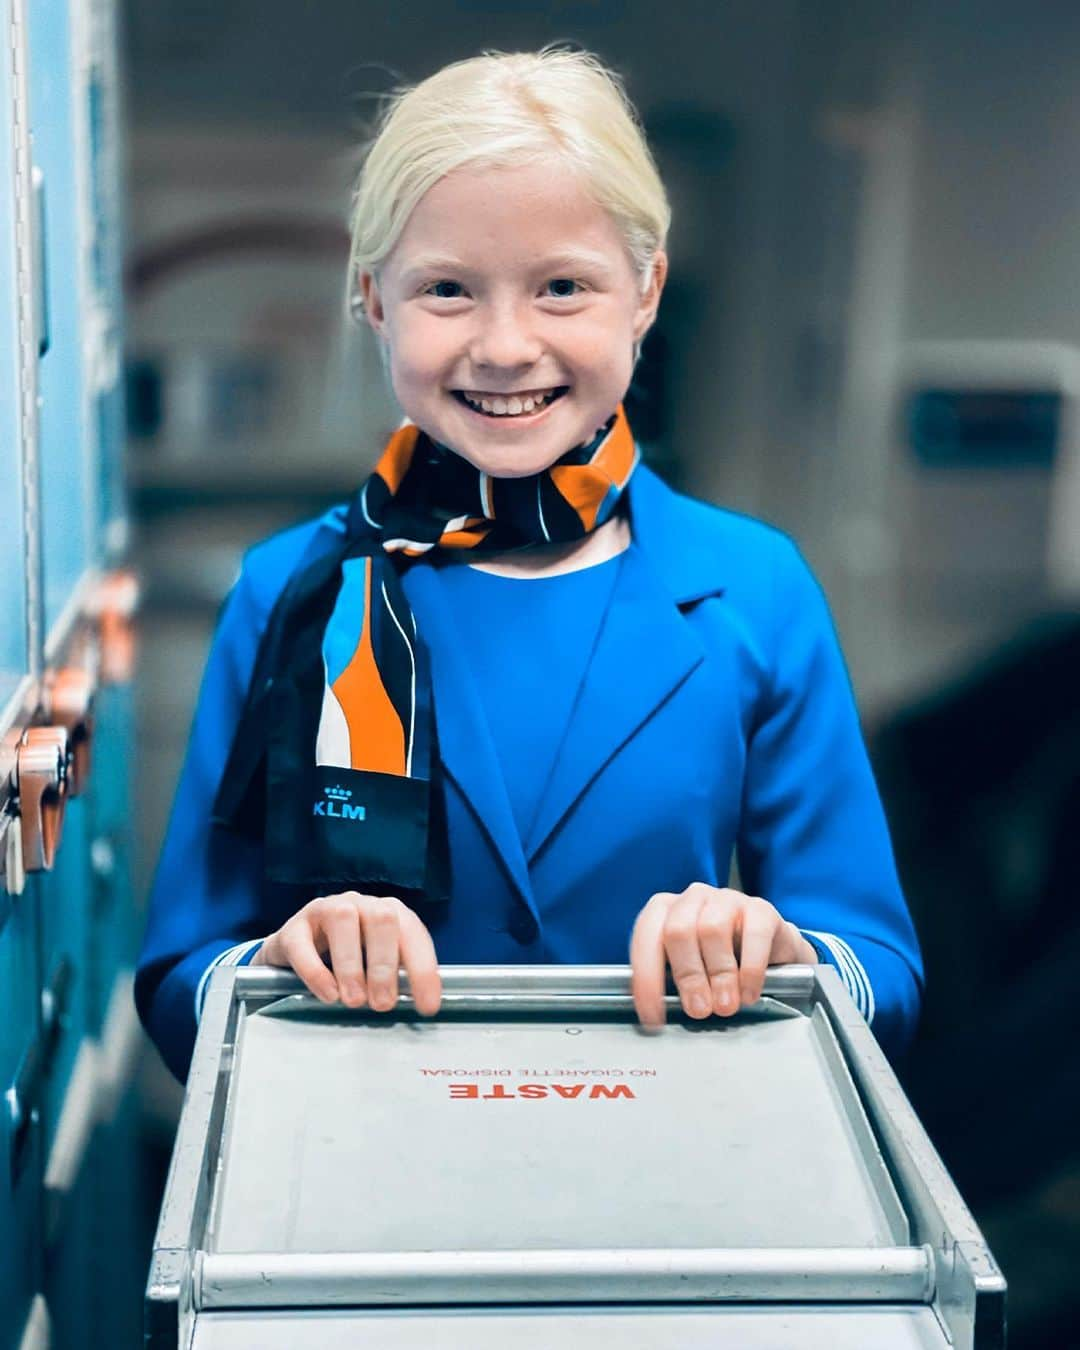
x,y
549,560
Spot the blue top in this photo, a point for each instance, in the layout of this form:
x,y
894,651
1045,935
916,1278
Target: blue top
x,y
716,717
528,642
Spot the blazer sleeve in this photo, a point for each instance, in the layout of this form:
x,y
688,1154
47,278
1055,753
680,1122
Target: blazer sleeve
x,y
813,838
208,898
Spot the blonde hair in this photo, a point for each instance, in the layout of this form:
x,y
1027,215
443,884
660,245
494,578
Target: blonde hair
x,y
502,109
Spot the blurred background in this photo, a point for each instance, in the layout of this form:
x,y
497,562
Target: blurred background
x,y
870,337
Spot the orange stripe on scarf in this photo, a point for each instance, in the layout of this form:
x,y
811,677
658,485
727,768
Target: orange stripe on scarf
x,y
585,486
376,736
395,459
473,532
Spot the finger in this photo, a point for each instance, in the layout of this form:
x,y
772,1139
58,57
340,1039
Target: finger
x,y
716,932
340,922
759,926
683,947
420,962
647,961
298,948
379,922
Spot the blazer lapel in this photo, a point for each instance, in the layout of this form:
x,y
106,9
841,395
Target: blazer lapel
x,y
644,652
465,745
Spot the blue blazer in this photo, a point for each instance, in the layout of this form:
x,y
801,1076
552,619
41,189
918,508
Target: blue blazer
x,y
717,719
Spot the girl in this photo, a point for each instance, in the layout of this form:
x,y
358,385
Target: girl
x,y
519,701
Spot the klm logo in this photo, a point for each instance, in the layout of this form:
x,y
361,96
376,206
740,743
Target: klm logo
x,y
336,804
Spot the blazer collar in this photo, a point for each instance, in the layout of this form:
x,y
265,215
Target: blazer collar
x,y
679,537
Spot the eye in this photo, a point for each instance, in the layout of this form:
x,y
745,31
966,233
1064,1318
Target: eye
x,y
566,287
454,293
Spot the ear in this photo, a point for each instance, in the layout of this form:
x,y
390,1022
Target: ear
x,y
650,299
371,295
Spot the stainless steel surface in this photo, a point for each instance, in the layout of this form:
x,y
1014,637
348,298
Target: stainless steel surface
x,y
563,1134
968,1278
305,1007
488,984
643,1328
839,1075
322,1160
671,1275
169,1314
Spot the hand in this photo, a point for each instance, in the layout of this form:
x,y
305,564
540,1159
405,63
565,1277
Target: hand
x,y
718,943
367,937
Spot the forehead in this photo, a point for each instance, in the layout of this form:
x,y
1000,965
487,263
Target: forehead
x,y
508,215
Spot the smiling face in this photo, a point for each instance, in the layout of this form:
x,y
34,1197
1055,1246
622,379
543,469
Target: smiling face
x,y
505,286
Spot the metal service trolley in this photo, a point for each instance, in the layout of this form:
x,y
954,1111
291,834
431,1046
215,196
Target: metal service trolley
x,y
531,1168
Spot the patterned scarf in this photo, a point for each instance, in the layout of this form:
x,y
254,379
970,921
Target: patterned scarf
x,y
332,761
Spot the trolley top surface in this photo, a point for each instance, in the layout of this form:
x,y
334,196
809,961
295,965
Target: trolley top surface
x,y
496,1131
823,1328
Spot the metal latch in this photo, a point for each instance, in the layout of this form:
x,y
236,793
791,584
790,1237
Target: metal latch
x,y
41,779
114,608
69,700
12,872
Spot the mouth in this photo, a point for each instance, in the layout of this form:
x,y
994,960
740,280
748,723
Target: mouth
x,y
528,406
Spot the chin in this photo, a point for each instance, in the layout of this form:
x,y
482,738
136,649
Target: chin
x,y
510,465
510,461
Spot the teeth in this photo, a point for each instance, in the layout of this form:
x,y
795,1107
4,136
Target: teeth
x,y
511,405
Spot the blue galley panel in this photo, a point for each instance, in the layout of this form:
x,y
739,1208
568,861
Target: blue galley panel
x,y
20,1164
106,249
13,642
63,439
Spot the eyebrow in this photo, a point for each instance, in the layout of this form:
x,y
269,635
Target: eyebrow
x,y
572,259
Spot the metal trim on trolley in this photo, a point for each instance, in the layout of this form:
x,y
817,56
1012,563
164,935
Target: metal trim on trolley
x,y
938,1259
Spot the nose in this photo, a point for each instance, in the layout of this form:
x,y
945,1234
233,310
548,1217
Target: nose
x,y
505,338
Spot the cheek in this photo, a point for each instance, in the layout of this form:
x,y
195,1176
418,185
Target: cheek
x,y
606,343
610,360
417,349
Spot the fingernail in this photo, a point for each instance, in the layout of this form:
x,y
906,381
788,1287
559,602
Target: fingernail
x,y
699,1005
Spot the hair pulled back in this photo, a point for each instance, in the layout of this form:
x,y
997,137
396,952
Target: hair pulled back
x,y
502,110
